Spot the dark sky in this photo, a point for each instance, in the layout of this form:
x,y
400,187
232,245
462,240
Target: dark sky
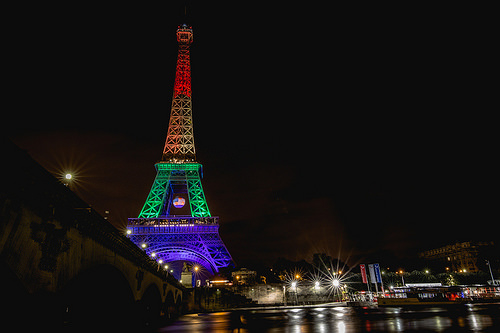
x,y
320,129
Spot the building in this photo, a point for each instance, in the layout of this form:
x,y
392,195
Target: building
x,y
460,257
244,276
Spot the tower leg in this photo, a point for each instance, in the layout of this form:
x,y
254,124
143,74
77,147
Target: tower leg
x,y
156,198
199,207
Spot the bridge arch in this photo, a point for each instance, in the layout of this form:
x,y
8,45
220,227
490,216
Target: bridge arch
x,y
170,308
97,294
150,305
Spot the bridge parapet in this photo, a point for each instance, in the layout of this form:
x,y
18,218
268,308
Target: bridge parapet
x,y
91,224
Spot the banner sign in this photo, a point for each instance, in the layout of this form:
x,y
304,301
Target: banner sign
x,y
372,274
377,273
363,273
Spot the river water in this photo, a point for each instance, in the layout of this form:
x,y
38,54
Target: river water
x,y
468,318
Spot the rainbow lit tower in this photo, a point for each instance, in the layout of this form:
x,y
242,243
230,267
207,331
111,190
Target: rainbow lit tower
x,y
175,223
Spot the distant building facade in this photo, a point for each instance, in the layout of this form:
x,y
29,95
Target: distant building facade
x,y
460,257
244,276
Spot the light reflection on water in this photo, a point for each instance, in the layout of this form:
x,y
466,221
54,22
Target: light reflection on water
x,y
345,320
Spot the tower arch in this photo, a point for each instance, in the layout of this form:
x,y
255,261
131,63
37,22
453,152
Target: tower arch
x,y
184,253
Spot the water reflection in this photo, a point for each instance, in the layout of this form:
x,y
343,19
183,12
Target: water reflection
x,y
344,320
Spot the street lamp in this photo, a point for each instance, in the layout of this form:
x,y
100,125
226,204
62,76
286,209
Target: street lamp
x,y
67,179
402,277
316,285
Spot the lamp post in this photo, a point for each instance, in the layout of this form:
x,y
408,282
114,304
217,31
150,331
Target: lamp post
x,y
336,284
402,277
491,273
294,289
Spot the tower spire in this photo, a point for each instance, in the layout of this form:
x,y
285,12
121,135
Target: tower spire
x,y
179,145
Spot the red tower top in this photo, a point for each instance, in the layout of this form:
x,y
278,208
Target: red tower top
x,y
179,146
183,70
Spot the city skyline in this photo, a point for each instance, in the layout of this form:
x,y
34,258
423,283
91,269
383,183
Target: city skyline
x,y
308,149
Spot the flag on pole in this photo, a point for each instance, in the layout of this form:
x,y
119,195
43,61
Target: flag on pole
x,y
377,273
363,273
372,274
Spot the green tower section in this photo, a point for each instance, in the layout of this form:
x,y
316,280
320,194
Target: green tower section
x,y
172,178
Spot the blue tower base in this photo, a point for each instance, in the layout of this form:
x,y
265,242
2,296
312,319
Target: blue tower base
x,y
191,239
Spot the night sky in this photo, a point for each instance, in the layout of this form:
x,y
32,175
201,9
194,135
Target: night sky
x,y
319,129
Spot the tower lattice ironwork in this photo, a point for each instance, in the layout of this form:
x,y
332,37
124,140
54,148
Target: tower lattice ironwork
x,y
175,222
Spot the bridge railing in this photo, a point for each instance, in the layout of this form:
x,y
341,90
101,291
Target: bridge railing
x,y
91,224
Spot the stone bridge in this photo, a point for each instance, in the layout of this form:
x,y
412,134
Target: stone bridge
x,y
62,263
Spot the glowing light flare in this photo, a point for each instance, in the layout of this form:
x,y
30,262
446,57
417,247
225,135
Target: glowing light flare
x,y
336,282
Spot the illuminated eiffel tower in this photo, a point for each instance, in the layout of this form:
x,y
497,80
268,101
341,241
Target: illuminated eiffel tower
x,y
175,223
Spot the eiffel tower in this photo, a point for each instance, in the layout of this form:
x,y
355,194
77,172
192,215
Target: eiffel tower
x,y
175,223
